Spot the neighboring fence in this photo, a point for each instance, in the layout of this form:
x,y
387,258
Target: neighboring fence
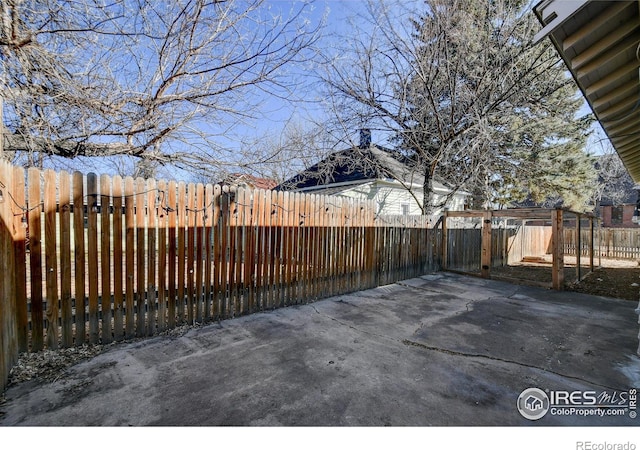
x,y
407,221
614,243
99,259
522,241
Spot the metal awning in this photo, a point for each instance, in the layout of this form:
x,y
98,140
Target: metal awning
x,y
600,44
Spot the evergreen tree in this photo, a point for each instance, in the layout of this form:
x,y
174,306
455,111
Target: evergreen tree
x,y
615,184
492,111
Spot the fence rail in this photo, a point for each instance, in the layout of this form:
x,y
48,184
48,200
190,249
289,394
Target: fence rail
x,y
98,259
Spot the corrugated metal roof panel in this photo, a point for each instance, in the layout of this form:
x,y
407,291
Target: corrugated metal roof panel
x,y
600,44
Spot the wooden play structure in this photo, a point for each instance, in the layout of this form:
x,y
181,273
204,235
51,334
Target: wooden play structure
x,y
477,241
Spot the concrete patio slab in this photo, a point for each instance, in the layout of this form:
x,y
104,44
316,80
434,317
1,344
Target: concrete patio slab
x,y
442,349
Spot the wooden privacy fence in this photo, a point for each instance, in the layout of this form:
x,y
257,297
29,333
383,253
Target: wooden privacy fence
x,y
99,259
614,243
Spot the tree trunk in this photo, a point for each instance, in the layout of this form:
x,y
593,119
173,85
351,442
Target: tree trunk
x,y
146,166
427,191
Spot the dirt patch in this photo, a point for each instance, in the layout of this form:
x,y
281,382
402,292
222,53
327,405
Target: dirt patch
x,y
50,365
618,282
614,278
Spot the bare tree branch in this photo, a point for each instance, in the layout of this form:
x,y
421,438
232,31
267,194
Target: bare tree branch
x,y
141,78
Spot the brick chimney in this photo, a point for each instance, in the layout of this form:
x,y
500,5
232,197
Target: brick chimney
x,y
365,138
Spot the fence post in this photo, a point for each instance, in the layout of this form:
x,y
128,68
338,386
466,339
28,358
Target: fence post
x,y
485,261
591,244
444,244
557,274
578,245
8,330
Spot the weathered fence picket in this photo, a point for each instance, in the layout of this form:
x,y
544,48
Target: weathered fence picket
x,y
118,260
35,259
129,224
140,294
66,311
20,252
105,260
8,311
172,217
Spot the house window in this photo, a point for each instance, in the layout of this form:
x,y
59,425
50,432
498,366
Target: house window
x,y
405,209
616,215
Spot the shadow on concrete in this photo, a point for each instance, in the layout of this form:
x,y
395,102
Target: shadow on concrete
x,y
442,349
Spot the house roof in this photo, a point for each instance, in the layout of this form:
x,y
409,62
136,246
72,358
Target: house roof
x,y
355,165
630,198
252,181
600,43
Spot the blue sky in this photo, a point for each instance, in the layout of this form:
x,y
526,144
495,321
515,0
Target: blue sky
x,y
336,15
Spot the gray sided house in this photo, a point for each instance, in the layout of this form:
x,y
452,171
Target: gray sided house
x,y
372,172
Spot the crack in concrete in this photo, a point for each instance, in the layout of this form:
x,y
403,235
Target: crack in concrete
x,y
469,304
420,288
516,290
345,324
445,351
